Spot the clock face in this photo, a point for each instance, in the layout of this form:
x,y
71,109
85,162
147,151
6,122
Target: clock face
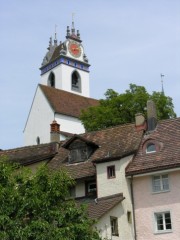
x,y
74,49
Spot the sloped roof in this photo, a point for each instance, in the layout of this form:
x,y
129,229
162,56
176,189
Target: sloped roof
x,y
65,102
30,154
97,208
113,143
167,134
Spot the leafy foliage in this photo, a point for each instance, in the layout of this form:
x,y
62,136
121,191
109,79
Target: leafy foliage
x,y
121,108
36,206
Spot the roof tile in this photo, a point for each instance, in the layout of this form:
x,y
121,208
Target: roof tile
x,y
167,134
67,103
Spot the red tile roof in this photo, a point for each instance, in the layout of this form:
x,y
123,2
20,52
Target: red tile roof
x,y
30,154
113,143
167,134
97,208
65,102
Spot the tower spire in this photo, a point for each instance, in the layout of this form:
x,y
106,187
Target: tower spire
x,y
73,28
55,35
162,91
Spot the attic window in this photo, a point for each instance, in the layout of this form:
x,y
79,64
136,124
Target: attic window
x,y
151,147
80,154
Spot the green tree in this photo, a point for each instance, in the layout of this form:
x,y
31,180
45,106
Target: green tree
x,y
121,108
36,206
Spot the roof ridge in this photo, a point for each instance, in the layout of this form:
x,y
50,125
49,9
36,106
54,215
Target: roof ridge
x,y
27,147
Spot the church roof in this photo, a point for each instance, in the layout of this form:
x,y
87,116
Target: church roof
x,y
113,144
65,102
166,137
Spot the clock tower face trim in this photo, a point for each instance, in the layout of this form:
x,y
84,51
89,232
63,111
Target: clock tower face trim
x,y
74,49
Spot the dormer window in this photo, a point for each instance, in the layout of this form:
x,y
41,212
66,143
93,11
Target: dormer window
x,y
76,82
80,149
151,147
79,155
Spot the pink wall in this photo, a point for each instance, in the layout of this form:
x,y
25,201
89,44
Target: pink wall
x,y
146,203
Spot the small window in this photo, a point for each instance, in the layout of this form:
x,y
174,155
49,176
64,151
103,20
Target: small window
x,y
111,172
151,147
163,222
76,82
160,183
129,217
90,188
51,80
114,226
38,140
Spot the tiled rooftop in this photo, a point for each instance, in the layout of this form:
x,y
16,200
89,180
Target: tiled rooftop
x,y
167,135
30,154
98,207
67,103
113,143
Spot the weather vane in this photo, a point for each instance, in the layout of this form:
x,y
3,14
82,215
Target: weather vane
x,y
162,75
55,31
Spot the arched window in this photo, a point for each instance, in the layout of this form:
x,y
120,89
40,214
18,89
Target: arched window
x,y
151,147
51,80
38,140
76,82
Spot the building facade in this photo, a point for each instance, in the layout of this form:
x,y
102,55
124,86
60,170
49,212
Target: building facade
x,y
63,90
155,172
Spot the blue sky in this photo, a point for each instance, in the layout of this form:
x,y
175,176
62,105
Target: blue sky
x,y
126,42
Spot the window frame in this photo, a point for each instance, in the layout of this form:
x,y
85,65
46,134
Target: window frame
x,y
164,222
114,226
73,86
151,144
52,80
111,176
161,185
89,192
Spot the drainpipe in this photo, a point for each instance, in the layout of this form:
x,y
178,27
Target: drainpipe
x,y
132,199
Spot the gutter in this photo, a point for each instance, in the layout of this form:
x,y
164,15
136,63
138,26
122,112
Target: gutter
x,y
132,199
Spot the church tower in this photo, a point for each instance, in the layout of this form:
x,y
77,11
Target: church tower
x,y
65,66
62,93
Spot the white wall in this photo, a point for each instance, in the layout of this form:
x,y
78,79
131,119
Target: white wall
x,y
124,228
38,123
69,124
80,189
41,116
120,184
63,74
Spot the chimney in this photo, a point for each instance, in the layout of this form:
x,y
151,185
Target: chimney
x,y
140,122
151,115
55,132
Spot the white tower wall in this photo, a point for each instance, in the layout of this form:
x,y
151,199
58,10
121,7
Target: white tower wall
x,y
63,74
